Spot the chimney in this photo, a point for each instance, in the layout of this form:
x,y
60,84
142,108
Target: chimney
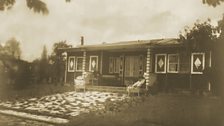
x,y
82,40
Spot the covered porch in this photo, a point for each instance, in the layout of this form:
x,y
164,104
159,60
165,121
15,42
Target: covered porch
x,y
123,63
110,64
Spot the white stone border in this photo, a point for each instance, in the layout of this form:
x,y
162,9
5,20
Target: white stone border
x,y
49,119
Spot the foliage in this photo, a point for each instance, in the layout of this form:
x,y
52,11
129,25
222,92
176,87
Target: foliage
x,y
35,71
218,50
56,60
219,59
213,3
12,48
38,6
220,28
205,37
58,45
49,69
44,54
200,37
15,73
43,68
6,4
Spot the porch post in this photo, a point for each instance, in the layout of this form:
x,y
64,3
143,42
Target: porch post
x,y
65,78
65,59
210,65
84,62
148,66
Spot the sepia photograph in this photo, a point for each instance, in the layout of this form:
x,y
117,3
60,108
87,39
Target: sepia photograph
x,y
111,62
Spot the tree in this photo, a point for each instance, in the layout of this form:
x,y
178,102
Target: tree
x,y
219,58
37,6
200,37
12,48
58,45
220,28
44,65
205,37
219,51
44,54
41,7
57,61
1,49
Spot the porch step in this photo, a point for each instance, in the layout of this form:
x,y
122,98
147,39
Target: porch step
x,y
107,89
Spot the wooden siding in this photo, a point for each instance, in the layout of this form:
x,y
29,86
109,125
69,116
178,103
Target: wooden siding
x,y
183,79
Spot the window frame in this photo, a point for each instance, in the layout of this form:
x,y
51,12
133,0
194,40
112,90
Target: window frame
x,y
165,62
114,64
68,63
90,60
111,65
168,63
76,66
192,60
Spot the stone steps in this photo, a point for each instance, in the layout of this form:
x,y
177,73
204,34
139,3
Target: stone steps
x,y
107,89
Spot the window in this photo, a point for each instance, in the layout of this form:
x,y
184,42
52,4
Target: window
x,y
173,63
71,64
93,63
79,63
160,63
197,63
114,64
111,70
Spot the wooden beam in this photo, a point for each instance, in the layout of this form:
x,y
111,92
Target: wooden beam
x,y
101,62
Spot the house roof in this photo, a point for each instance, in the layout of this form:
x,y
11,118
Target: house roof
x,y
139,44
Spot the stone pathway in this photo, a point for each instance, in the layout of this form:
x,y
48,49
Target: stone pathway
x,y
66,105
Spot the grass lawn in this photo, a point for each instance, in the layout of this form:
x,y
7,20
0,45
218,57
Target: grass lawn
x,y
161,110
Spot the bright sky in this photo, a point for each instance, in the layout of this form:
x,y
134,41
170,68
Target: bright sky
x,y
100,21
